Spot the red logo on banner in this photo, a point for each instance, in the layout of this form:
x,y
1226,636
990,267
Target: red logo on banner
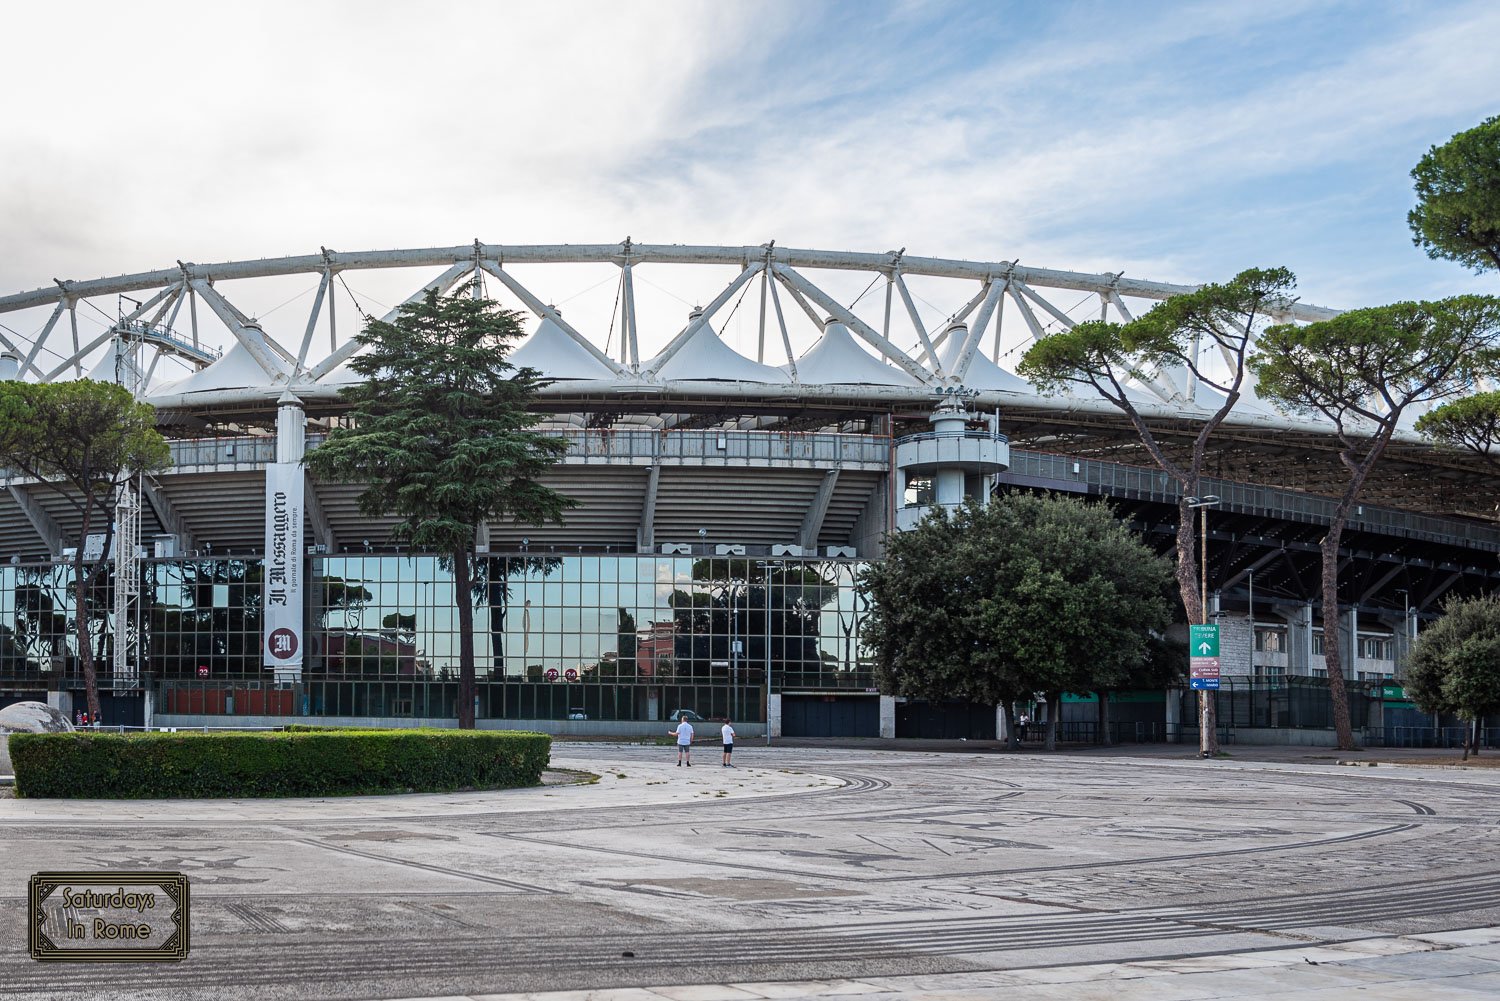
x,y
282,643
551,674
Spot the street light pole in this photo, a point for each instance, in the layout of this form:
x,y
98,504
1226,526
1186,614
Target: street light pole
x,y
1205,716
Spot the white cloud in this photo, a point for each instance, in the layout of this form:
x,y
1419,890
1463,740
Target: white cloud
x,y
135,135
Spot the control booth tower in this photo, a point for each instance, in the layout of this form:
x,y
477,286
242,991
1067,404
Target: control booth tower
x,y
946,466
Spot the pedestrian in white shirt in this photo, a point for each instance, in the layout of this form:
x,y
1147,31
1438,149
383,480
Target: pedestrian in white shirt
x,y
684,735
728,733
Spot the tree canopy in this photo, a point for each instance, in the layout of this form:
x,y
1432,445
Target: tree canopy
x,y
1454,666
1472,422
1457,216
1205,335
442,432
1362,371
1028,594
1108,357
83,439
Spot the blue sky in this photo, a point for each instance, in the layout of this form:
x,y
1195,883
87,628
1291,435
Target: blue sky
x,y
1175,141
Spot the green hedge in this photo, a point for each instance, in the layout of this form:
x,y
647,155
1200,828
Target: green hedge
x,y
312,762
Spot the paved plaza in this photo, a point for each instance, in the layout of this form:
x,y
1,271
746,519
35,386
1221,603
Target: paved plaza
x,y
813,872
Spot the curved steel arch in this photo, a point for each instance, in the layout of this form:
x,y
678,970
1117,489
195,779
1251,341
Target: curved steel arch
x,y
941,358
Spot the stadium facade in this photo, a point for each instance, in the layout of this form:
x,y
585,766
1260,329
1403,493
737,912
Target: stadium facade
x,y
734,470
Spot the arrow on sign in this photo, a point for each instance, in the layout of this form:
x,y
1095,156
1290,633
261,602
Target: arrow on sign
x,y
1203,648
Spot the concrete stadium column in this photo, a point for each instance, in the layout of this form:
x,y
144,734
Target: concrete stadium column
x,y
1348,641
773,714
1299,633
887,715
1174,715
1002,726
1236,645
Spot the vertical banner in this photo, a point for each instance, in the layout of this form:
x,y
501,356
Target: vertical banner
x,y
282,591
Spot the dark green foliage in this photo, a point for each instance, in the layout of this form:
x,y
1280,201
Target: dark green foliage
x,y
441,432
1472,423
1362,371
1358,367
441,427
1176,332
1028,594
299,762
1454,666
1458,198
83,439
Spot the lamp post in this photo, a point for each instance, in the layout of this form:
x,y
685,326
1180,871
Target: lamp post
x,y
1205,717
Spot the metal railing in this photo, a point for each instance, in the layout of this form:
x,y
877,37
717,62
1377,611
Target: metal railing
x,y
979,435
589,445
1147,483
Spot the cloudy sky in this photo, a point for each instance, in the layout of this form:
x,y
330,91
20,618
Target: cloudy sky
x,y
1174,141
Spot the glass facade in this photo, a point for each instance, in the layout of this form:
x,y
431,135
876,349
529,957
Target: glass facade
x,y
606,637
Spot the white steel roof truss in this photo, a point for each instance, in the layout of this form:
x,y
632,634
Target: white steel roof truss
x,y
442,283
312,318
697,322
246,331
630,347
854,323
916,322
786,338
999,329
166,297
73,322
541,309
1031,294
36,346
965,356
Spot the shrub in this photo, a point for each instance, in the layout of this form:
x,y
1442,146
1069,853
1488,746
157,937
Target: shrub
x,y
311,762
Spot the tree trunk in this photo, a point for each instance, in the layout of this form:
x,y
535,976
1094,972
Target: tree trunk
x,y
1194,603
464,596
1054,709
1332,654
1104,736
1012,738
81,584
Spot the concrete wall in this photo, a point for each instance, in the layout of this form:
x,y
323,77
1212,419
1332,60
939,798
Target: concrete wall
x,y
1288,737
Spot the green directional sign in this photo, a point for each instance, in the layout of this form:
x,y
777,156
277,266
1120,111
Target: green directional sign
x,y
1203,641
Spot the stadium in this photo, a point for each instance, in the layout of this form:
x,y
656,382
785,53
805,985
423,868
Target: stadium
x,y
745,424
